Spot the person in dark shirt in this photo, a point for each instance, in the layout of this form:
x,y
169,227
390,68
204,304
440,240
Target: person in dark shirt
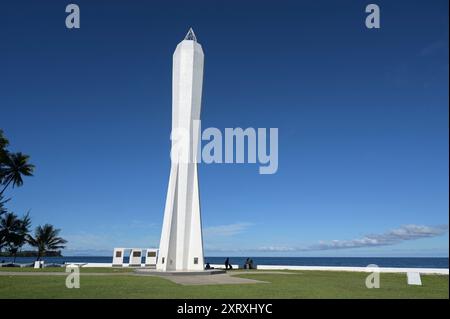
x,y
247,264
227,264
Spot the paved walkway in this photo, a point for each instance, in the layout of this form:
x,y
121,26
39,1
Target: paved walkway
x,y
254,272
219,279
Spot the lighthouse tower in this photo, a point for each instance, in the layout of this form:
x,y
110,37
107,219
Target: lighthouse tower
x,y
181,244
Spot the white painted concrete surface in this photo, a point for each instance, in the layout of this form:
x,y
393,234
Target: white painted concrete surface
x,y
151,257
118,255
135,257
181,244
441,271
414,278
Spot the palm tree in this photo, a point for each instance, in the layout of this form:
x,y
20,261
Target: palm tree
x,y
9,226
3,153
3,144
46,239
19,237
2,205
14,166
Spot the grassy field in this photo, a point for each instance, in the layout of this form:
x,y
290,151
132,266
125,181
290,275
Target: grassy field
x,y
301,284
63,269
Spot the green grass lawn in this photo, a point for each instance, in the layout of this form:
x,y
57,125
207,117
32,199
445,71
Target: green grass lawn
x,y
301,284
63,269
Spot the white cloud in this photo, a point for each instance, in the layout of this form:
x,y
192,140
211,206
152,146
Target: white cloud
x,y
225,230
145,235
84,241
276,248
433,47
391,237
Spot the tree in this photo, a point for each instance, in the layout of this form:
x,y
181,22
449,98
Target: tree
x,y
8,225
19,236
14,166
46,239
3,153
3,144
14,232
2,205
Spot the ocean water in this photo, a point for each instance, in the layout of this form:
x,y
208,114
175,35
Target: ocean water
x,y
291,261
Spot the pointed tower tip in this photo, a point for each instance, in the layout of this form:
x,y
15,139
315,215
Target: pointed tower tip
x,y
190,35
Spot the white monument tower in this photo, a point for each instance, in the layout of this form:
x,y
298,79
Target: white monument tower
x,y
181,245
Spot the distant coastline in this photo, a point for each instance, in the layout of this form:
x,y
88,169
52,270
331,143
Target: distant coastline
x,y
31,253
401,262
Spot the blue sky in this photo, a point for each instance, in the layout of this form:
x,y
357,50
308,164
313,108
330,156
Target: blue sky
x,y
362,117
